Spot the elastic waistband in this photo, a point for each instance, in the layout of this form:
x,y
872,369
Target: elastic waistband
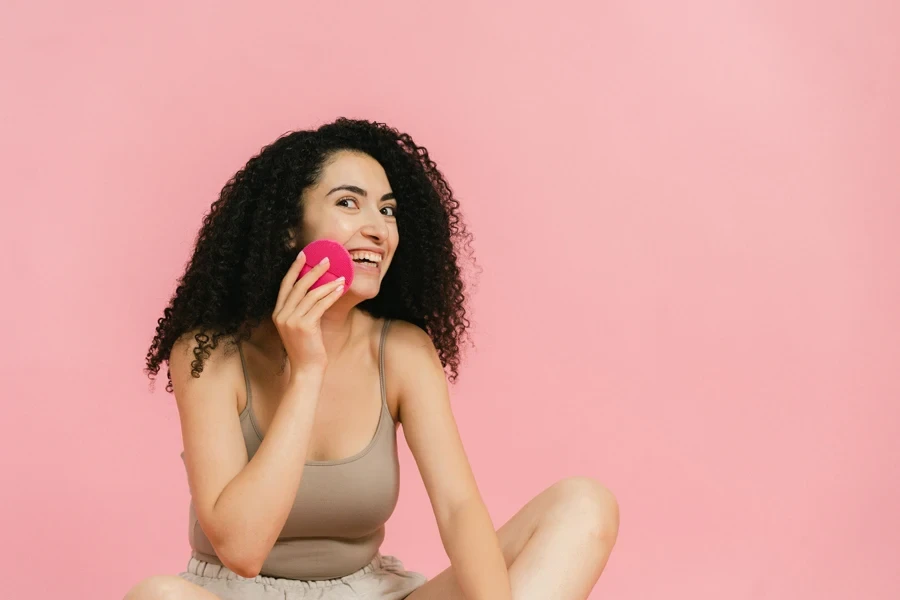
x,y
204,569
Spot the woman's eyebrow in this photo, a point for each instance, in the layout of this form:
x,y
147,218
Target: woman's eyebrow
x,y
360,191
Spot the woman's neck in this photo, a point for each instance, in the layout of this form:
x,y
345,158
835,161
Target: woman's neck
x,y
339,329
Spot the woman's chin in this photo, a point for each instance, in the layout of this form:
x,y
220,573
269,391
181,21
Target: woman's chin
x,y
362,292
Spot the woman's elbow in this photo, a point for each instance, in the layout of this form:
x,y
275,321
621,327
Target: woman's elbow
x,y
248,570
239,556
244,564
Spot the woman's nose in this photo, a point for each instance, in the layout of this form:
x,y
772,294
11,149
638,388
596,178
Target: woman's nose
x,y
376,227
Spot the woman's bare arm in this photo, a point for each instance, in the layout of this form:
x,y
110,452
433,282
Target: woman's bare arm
x,y
241,504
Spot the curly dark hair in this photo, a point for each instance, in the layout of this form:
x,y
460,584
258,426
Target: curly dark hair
x,y
243,250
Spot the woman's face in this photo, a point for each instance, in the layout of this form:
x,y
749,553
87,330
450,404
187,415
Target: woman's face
x,y
353,204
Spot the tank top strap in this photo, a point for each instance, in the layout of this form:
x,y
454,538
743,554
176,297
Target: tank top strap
x,y
384,329
246,378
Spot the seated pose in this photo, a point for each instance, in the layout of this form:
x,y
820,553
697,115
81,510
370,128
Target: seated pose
x,y
290,390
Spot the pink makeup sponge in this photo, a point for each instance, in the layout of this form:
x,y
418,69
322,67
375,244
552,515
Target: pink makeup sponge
x,y
340,262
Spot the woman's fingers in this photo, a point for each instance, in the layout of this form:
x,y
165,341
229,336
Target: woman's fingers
x,y
325,303
314,297
290,278
299,288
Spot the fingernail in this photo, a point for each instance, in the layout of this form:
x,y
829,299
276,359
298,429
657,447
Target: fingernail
x,y
340,289
341,279
299,256
324,260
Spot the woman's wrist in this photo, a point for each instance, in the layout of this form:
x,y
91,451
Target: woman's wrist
x,y
306,375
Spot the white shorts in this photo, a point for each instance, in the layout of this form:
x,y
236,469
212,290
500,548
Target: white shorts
x,y
382,579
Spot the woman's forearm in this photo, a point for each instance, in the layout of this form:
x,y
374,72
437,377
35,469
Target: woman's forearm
x,y
252,509
474,551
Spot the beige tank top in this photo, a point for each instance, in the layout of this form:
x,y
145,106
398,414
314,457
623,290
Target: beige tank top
x,y
336,525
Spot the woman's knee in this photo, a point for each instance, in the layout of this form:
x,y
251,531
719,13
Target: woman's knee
x,y
160,587
589,504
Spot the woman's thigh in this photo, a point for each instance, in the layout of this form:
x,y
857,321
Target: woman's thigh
x,y
168,587
557,501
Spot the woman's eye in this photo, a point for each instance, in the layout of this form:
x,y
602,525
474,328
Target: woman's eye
x,y
393,210
348,199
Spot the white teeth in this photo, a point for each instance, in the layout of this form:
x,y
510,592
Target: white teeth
x,y
370,256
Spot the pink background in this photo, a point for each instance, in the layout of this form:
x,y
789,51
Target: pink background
x,y
687,219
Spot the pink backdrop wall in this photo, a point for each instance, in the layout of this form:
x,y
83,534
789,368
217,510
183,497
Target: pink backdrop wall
x,y
711,189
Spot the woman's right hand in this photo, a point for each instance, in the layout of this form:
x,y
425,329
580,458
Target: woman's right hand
x,y
299,310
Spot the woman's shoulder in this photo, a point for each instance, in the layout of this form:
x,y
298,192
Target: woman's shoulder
x,y
407,335
409,347
399,335
221,363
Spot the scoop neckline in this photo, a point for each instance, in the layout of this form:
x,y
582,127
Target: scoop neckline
x,y
325,463
338,461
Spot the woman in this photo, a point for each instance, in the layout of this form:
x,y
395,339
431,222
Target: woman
x,y
289,423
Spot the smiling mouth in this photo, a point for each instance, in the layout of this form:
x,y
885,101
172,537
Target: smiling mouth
x,y
366,265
